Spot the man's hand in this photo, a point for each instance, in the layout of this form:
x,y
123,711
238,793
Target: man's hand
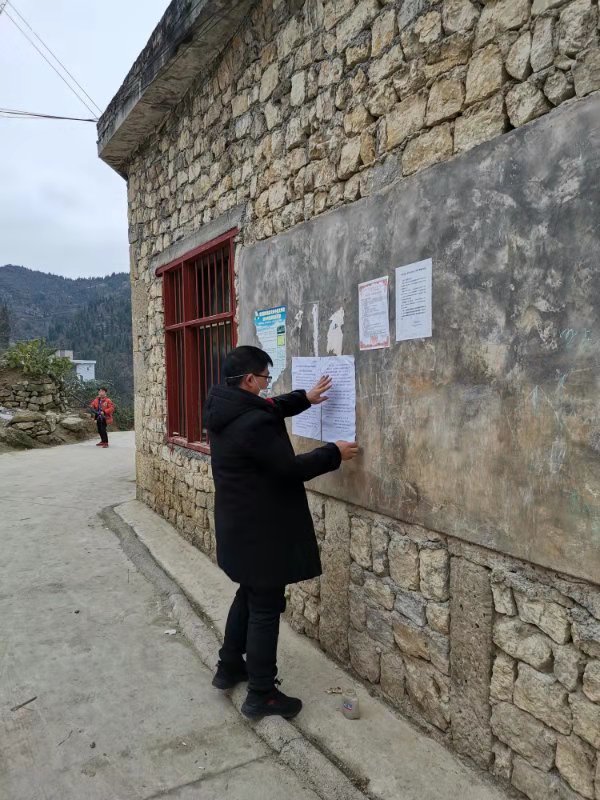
x,y
317,395
349,450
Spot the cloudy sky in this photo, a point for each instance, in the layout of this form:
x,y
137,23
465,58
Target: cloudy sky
x,y
62,210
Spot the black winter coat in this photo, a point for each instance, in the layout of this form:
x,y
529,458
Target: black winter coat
x,y
264,529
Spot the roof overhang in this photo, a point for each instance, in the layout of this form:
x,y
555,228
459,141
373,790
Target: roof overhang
x,y
187,40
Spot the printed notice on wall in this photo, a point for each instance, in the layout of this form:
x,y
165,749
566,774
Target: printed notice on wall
x,y
413,301
335,419
305,373
270,329
373,314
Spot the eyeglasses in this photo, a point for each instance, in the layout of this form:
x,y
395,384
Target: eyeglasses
x,y
268,378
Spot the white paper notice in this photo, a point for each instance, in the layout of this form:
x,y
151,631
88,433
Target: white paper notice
x,y
305,373
335,419
339,412
413,301
373,314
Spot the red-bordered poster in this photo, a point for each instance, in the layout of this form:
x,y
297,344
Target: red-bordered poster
x,y
374,314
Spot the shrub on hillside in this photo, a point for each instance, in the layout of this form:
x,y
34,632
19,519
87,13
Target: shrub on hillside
x,y
36,359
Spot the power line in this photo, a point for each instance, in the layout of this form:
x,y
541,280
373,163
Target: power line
x,y
47,60
12,113
55,57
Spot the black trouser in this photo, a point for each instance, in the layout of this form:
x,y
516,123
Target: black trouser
x,y
253,628
101,423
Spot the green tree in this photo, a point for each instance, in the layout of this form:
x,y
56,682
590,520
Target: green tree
x,y
4,327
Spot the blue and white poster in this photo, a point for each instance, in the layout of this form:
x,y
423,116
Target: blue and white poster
x,y
271,331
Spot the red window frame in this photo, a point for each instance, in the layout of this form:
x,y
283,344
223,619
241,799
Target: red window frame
x,y
199,314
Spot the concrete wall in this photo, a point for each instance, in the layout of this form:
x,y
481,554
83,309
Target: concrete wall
x,y
489,431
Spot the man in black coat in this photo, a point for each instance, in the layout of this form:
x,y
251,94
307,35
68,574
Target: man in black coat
x,y
264,529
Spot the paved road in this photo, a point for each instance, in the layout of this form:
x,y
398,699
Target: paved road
x,y
123,711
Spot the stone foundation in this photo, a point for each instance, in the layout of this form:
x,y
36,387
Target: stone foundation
x,y
499,658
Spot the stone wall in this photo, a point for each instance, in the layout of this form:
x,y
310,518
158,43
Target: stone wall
x,y
498,658
311,106
40,394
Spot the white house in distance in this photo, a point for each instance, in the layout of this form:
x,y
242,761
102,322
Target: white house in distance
x,y
84,368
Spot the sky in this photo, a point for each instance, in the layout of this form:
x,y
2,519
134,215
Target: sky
x,y
62,210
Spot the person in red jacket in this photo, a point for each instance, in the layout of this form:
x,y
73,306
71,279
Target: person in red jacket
x,y
103,409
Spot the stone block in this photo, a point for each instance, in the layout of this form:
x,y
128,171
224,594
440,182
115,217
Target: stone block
x,y
363,14
504,673
357,575
446,99
298,90
428,691
591,681
544,697
586,72
379,593
383,31
439,651
268,82
410,638
434,573
535,784
379,546
525,102
523,642
335,557
446,55
575,761
586,632
406,119
485,74
357,119
429,148
364,656
379,627
524,734
459,15
479,124
386,65
577,27
471,614
559,88
368,153
409,79
393,676
360,542
586,719
403,557
568,665
412,605
428,28
498,16
349,158
359,50
382,99
550,617
517,60
542,46
358,608
502,763
438,617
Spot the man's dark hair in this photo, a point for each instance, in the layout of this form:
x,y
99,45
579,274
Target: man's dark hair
x,y
244,361
103,389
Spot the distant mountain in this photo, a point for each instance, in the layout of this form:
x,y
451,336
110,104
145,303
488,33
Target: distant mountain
x,y
91,316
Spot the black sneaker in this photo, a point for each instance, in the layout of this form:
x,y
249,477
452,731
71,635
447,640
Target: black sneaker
x,y
228,677
273,703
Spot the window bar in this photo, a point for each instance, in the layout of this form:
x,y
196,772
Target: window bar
x,y
224,305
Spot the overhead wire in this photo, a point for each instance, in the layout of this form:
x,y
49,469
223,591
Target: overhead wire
x,y
54,56
47,60
13,113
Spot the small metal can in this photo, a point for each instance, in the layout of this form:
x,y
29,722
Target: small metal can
x,y
350,705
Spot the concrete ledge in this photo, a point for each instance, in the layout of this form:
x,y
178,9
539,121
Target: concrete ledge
x,y
187,40
382,753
